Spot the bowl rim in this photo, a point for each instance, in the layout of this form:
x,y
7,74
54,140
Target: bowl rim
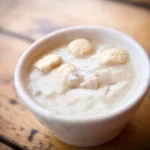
x,y
37,109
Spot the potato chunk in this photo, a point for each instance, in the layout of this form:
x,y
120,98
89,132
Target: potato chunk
x,y
66,68
91,81
71,80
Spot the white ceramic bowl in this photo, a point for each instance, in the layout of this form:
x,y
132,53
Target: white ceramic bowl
x,y
95,130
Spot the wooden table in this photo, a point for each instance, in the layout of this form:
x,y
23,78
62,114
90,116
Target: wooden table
x,y
21,23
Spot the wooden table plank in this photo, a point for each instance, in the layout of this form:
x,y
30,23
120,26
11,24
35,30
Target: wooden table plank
x,y
16,122
36,18
4,147
31,21
146,2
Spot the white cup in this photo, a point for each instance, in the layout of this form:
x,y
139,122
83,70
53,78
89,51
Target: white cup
x,y
95,130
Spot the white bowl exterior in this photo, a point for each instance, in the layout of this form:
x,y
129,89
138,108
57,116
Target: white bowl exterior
x,y
88,132
92,133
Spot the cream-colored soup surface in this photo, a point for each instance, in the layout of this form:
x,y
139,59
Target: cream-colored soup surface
x,y
89,87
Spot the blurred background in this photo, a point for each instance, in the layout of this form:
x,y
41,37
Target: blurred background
x,y
24,21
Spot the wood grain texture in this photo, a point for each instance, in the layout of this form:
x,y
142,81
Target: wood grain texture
x,y
33,19
16,122
4,147
38,18
146,2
